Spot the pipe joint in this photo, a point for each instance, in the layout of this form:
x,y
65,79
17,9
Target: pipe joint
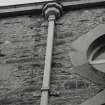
x,y
51,18
45,89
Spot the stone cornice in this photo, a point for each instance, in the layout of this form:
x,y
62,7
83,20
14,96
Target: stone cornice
x,y
82,4
37,7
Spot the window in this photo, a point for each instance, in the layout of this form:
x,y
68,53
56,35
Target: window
x,y
89,60
90,48
96,54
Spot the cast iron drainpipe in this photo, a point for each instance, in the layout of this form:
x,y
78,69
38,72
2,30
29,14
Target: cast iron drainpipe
x,y
51,11
48,61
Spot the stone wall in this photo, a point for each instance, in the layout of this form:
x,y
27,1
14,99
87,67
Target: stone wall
x,y
23,43
22,55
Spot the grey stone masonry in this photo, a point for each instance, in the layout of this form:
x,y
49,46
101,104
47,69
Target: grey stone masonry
x,y
22,56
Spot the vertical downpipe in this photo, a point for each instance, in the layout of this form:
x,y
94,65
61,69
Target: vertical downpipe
x,y
51,11
48,61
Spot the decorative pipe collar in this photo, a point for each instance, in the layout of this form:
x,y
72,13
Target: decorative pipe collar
x,y
52,8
